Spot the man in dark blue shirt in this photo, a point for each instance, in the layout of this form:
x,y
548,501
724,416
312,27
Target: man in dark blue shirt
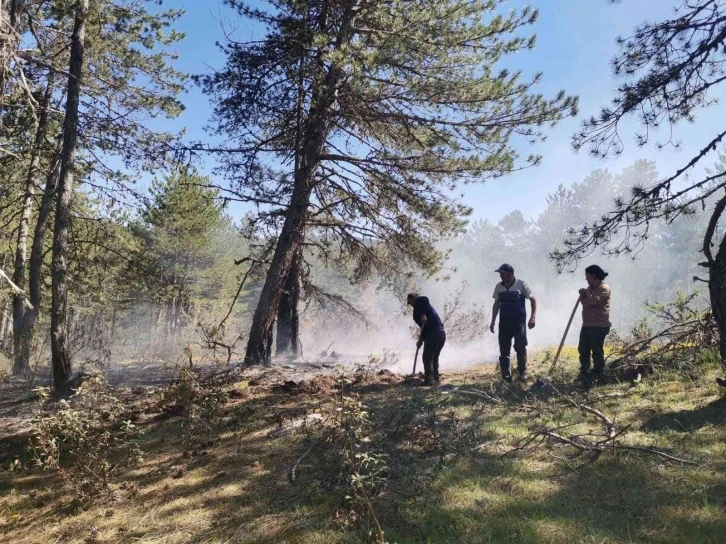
x,y
432,337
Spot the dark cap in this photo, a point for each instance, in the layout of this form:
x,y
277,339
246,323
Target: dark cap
x,y
505,268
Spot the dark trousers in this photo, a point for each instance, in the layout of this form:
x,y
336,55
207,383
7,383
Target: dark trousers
x,y
433,344
591,341
512,328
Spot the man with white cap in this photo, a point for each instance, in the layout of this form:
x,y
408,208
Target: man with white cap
x,y
509,296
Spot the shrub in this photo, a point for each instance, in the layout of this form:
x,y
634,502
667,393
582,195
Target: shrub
x,y
200,406
363,469
86,441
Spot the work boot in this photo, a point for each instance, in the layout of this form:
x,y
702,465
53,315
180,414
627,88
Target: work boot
x,y
437,378
721,381
507,379
522,376
426,382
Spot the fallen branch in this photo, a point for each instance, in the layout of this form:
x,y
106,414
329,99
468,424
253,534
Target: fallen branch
x,y
210,377
531,437
596,448
659,453
600,447
609,425
608,439
17,290
306,421
292,474
478,393
671,337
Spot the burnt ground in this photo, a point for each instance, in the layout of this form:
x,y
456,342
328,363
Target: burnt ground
x,y
134,380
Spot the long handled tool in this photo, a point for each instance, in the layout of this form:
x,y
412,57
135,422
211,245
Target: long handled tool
x,y
415,358
567,329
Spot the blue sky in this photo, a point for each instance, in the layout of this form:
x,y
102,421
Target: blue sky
x,y
575,43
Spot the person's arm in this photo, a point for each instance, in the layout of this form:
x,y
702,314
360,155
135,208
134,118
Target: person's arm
x,y
495,312
595,297
533,301
420,340
419,316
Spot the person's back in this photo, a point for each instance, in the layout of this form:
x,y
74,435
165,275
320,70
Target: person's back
x,y
432,336
433,322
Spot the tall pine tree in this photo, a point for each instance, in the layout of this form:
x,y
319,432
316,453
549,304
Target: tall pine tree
x,y
358,119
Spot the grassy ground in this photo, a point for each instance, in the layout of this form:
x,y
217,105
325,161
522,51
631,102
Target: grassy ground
x,y
448,477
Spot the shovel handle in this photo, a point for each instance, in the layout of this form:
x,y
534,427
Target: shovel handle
x,y
415,358
567,329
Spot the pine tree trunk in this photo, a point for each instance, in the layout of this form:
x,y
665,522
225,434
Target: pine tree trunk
x,y
21,362
8,38
5,318
259,345
35,273
158,320
288,322
717,292
169,317
19,277
112,330
5,326
317,128
717,275
61,360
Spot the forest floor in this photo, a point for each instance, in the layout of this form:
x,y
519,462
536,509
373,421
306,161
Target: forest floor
x,y
294,461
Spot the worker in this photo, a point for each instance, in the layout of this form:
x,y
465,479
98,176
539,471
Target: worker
x,y
595,321
432,335
509,303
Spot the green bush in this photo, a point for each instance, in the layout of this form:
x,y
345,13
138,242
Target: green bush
x,y
86,440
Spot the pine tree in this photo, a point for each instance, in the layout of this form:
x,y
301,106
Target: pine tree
x,y
375,112
178,261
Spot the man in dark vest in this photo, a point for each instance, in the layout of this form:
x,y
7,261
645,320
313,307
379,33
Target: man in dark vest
x,y
432,337
509,296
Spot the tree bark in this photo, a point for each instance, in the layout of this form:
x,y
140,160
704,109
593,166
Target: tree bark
x,y
259,344
4,327
288,322
5,318
21,363
8,38
112,331
35,273
717,276
59,343
169,317
717,292
315,134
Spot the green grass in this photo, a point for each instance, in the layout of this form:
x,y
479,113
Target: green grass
x,y
448,481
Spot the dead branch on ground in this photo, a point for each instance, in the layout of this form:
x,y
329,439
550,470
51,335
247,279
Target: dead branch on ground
x,y
594,442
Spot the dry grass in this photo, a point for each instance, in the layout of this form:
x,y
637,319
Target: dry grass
x,y
448,480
